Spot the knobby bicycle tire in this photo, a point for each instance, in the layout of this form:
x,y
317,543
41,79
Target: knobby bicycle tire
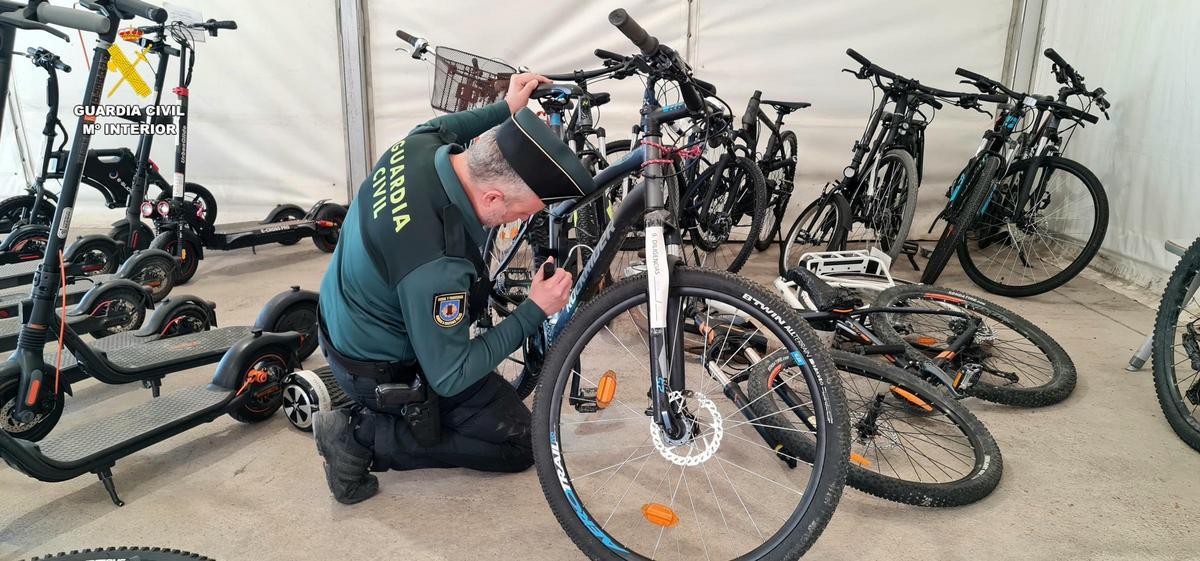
x,y
957,226
584,530
1085,176
986,464
1179,410
1057,385
833,228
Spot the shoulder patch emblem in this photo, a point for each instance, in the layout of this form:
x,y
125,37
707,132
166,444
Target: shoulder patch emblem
x,y
448,308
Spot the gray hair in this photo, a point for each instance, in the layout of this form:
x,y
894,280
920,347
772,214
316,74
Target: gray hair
x,y
487,165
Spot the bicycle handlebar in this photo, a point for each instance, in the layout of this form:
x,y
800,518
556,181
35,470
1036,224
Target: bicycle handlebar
x,y
624,23
141,9
985,83
609,55
1058,59
668,61
580,75
405,37
42,12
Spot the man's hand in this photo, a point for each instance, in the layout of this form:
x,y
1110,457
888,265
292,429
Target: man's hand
x,y
520,87
550,294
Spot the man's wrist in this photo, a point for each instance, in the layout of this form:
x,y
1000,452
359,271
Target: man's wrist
x,y
531,315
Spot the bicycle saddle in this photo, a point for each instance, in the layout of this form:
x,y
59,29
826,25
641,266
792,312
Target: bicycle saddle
x,y
556,90
824,296
787,106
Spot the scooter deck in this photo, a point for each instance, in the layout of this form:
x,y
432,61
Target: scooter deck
x,y
107,435
106,345
18,274
184,348
243,227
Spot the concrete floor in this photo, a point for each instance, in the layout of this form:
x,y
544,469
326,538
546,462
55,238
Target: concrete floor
x,y
1100,476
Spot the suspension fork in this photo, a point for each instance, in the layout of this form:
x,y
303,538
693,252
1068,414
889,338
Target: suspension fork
x,y
664,316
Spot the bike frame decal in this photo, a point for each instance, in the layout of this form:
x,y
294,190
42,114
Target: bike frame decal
x,y
657,275
577,506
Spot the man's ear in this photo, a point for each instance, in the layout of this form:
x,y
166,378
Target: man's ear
x,y
493,196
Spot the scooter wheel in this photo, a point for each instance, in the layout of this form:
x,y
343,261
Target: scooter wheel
x,y
31,431
123,301
335,213
158,274
265,397
302,318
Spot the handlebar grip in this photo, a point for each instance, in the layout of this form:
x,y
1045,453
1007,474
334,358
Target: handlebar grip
x,y
992,98
405,36
226,24
142,9
861,59
624,23
75,19
548,270
1056,58
971,75
1087,116
606,55
935,103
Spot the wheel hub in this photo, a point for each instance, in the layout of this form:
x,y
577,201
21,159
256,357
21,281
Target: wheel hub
x,y
696,446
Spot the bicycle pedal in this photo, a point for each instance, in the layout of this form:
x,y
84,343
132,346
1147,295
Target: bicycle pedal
x,y
515,283
586,401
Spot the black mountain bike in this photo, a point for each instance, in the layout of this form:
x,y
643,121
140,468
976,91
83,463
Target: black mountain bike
x,y
641,452
777,162
872,205
1048,214
1176,348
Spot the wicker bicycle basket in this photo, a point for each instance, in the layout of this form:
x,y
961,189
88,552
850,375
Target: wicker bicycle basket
x,y
464,81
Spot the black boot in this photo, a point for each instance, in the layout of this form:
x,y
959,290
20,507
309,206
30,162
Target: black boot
x,y
347,463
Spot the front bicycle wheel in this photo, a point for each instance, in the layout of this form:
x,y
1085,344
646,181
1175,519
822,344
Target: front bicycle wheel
x,y
909,442
888,209
1007,360
509,257
1176,351
780,182
821,226
974,201
1044,244
623,489
724,224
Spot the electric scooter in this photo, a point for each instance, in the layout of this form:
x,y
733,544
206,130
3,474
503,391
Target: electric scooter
x,y
183,232
92,254
252,364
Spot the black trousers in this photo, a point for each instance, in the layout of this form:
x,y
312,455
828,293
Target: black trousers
x,y
485,427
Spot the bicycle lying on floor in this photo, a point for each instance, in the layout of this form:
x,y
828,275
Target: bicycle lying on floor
x,y
1176,348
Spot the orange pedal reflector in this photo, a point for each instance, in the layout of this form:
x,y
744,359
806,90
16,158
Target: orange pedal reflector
x,y
606,390
858,459
947,355
926,341
660,515
958,378
911,398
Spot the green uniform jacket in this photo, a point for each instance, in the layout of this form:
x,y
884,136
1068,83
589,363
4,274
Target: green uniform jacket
x,y
398,287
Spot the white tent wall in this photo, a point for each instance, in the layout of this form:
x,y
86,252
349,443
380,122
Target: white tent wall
x,y
265,124
789,50
1142,54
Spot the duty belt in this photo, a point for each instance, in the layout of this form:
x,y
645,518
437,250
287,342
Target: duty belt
x,y
382,372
